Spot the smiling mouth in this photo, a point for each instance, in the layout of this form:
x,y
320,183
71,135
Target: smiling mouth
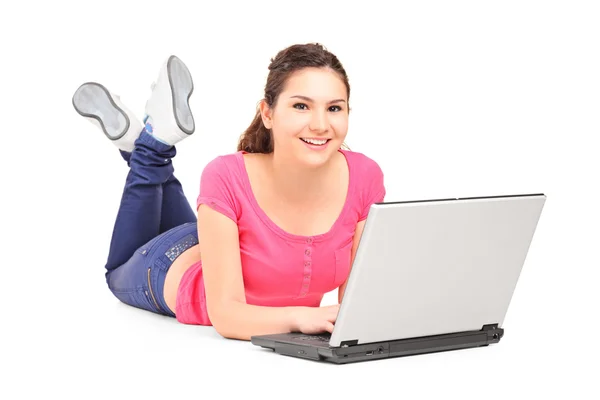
x,y
315,142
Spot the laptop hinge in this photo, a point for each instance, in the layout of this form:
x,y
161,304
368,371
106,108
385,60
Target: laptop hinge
x,y
348,343
489,326
494,333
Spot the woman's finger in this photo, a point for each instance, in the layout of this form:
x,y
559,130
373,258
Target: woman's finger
x,y
329,327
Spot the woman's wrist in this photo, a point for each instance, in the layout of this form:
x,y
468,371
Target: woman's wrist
x,y
293,317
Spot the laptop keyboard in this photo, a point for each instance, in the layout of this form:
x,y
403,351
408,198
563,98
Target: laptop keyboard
x,y
319,338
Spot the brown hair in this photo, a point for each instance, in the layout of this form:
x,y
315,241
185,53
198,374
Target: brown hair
x,y
257,138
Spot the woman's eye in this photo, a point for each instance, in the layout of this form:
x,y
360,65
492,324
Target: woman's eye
x,y
302,106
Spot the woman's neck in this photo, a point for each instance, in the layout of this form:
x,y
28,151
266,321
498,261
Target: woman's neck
x,y
299,185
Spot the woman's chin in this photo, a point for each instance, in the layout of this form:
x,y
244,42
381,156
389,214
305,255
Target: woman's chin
x,y
314,159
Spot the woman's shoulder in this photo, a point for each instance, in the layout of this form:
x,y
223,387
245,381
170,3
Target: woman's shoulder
x,y
361,164
223,164
224,170
225,159
368,181
222,186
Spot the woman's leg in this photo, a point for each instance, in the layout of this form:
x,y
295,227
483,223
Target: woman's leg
x,y
139,215
175,209
142,248
150,182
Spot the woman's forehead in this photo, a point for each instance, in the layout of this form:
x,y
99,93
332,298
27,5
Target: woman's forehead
x,y
319,84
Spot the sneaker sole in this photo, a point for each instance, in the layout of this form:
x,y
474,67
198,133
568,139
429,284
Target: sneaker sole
x,y
93,100
182,87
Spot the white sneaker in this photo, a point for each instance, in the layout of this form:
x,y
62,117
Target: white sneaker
x,y
169,117
105,110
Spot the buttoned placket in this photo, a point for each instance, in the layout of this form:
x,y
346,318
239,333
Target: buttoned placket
x,y
307,267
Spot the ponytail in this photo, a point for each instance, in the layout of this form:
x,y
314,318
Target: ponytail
x,y
257,138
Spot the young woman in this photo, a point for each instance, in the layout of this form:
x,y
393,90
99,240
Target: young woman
x,y
277,222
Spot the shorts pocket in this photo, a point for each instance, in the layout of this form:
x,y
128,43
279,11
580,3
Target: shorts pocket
x,y
343,257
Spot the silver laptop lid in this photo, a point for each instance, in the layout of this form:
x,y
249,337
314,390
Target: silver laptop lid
x,y
435,267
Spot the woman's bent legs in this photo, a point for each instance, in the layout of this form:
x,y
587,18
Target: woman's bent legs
x,y
139,216
154,224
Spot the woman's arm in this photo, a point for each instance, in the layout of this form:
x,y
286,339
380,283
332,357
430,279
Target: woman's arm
x,y
357,234
225,297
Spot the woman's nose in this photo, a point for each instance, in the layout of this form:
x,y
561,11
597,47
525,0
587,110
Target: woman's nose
x,y
319,121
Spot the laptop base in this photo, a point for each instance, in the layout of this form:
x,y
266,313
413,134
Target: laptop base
x,y
296,345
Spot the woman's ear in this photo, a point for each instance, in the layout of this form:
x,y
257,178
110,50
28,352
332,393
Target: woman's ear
x,y
266,114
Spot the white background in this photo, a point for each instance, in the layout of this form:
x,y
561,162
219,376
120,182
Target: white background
x,y
452,99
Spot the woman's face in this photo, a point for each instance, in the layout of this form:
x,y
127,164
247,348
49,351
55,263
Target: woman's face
x,y
312,108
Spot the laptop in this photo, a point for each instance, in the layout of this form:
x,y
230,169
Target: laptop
x,y
428,276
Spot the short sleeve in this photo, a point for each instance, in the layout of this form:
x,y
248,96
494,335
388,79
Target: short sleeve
x,y
374,191
216,189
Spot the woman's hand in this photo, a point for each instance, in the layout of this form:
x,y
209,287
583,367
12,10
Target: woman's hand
x,y
315,320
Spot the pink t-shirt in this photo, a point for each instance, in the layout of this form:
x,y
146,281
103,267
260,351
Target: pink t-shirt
x,y
279,268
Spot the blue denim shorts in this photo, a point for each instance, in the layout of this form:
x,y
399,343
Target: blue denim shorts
x,y
140,281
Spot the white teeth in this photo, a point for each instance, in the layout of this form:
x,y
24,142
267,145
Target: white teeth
x,y
314,141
